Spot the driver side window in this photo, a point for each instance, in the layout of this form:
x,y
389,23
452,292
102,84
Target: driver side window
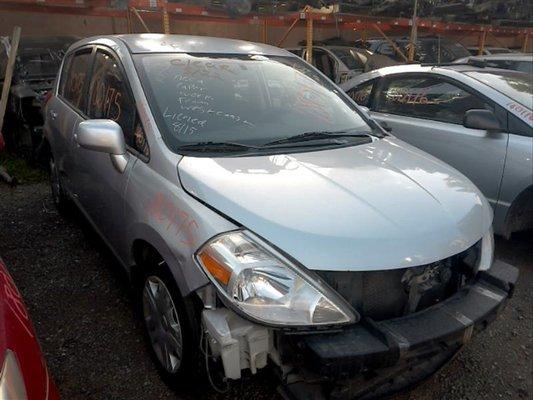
x,y
427,97
110,98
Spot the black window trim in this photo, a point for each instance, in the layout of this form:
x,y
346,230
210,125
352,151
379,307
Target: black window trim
x,y
110,52
385,79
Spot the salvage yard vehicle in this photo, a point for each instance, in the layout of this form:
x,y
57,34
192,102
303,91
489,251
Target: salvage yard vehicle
x,y
487,50
522,62
338,63
24,375
479,120
428,49
263,218
38,60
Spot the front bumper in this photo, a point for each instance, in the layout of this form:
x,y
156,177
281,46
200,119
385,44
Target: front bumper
x,y
362,360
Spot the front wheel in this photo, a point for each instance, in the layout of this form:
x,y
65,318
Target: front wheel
x,y
171,329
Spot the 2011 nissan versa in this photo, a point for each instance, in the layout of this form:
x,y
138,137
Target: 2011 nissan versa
x,y
264,219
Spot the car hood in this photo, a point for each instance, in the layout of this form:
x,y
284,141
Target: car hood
x,y
382,205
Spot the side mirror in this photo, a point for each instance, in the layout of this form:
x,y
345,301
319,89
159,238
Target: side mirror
x,y
105,136
482,119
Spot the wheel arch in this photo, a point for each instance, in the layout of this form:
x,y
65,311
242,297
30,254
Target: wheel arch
x,y
148,246
520,214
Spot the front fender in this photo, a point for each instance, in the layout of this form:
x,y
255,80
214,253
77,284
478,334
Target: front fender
x,y
172,221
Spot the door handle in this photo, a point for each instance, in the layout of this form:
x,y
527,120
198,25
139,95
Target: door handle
x,y
53,114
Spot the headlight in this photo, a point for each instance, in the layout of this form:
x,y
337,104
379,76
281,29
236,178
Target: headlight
x,y
480,256
487,251
266,286
11,381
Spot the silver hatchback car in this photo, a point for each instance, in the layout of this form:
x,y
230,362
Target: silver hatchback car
x,y
479,120
263,218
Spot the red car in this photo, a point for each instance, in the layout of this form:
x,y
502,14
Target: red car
x,y
24,375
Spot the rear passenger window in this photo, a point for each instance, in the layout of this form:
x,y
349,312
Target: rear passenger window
x,y
428,98
73,81
361,94
110,98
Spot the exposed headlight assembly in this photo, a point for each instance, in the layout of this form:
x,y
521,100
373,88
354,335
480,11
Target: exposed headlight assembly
x,y
480,256
265,286
487,251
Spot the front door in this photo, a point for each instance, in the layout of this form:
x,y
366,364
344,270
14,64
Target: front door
x,y
65,112
102,186
427,111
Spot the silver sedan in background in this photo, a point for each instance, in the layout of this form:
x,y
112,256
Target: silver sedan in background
x,y
478,120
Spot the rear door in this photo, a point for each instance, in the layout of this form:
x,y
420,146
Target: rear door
x,y
109,96
427,111
65,111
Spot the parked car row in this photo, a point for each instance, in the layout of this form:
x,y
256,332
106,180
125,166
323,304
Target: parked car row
x,y
264,218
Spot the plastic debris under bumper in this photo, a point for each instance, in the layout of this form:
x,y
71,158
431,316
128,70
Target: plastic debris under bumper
x,y
372,345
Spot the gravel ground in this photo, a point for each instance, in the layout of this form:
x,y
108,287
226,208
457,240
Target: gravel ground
x,y
83,314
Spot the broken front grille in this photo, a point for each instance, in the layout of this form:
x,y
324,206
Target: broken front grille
x,y
392,293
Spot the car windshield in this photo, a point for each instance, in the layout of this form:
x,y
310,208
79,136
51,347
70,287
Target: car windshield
x,y
515,85
441,51
247,100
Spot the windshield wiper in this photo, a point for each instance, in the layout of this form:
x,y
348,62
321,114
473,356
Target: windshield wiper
x,y
216,147
317,135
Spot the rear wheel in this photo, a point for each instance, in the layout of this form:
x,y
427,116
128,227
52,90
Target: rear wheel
x,y
59,197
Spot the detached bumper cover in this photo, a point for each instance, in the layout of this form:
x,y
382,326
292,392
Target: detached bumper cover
x,y
372,345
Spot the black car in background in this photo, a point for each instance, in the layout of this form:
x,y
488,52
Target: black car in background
x,y
431,50
36,66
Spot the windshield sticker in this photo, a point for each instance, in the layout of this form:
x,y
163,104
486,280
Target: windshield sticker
x,y
520,111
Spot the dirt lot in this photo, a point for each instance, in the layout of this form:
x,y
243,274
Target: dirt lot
x,y
83,314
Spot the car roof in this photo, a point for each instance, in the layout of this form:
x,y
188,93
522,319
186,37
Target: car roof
x,y
490,48
395,69
449,70
504,56
160,43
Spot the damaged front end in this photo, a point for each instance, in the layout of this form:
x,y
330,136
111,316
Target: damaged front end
x,y
394,328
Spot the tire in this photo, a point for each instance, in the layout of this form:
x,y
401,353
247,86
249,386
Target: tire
x,y
59,196
172,329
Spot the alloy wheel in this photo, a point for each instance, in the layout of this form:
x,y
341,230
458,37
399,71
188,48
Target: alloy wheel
x,y
162,324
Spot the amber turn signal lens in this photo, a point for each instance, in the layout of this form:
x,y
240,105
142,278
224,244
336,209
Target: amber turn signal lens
x,y
215,268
